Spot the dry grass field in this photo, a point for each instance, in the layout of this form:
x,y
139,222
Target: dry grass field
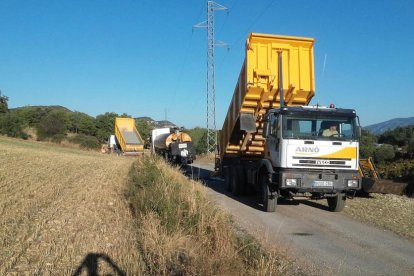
x,y
63,211
390,212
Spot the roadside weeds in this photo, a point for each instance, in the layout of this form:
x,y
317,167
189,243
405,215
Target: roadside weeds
x,y
181,232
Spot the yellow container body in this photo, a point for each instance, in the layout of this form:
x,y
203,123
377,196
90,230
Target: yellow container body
x,y
257,88
128,136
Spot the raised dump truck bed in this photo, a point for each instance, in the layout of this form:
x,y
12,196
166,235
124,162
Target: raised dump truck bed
x,y
257,89
128,137
273,143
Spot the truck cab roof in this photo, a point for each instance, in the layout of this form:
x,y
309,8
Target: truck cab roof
x,y
308,110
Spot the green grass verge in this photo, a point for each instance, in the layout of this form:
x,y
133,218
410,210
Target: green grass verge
x,y
181,232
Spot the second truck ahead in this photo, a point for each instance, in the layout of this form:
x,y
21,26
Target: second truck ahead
x,y
174,145
127,137
273,142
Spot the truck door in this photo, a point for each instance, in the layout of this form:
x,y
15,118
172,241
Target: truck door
x,y
273,140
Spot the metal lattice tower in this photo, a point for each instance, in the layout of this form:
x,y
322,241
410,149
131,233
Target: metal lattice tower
x,y
211,90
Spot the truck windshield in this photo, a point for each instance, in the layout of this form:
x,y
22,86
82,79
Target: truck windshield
x,y
319,128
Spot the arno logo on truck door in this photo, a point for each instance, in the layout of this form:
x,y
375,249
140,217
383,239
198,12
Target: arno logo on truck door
x,y
307,150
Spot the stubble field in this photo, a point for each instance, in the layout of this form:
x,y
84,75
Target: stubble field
x,y
60,212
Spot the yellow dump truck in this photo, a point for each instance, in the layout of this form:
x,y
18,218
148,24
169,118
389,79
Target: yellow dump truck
x,y
127,137
273,141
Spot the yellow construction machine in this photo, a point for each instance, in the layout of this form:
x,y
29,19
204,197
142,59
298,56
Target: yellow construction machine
x,y
373,183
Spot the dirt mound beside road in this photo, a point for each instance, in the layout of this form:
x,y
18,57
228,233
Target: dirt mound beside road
x,y
63,211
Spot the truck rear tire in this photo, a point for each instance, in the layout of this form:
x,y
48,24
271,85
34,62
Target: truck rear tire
x,y
236,180
337,203
268,199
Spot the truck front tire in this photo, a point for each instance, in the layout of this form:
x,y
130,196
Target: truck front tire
x,y
268,199
337,203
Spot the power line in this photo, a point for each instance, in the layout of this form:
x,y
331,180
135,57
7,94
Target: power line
x,y
183,64
261,13
243,34
186,52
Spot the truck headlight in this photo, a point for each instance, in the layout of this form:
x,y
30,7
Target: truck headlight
x,y
291,182
352,183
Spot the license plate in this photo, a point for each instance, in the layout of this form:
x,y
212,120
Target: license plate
x,y
319,183
182,146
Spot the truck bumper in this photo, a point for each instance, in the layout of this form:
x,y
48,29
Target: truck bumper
x,y
302,180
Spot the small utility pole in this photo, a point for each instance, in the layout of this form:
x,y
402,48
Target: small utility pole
x,y
211,90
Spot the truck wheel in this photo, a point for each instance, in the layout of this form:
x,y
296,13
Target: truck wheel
x,y
227,178
337,203
268,199
235,181
242,179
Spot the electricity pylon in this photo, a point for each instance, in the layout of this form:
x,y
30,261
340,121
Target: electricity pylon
x,y
211,89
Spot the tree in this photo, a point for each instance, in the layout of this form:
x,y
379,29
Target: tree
x,y
199,138
105,125
53,124
367,145
11,125
4,108
201,146
144,129
124,115
384,153
399,136
82,123
410,149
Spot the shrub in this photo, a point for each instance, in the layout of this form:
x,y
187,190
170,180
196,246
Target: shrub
x,y
85,141
12,126
52,124
384,153
367,145
58,138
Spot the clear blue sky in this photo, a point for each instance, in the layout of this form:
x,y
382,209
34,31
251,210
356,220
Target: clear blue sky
x,y
142,58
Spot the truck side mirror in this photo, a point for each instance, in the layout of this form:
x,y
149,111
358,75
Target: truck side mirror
x,y
359,132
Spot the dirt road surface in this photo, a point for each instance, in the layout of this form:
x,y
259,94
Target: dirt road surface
x,y
322,242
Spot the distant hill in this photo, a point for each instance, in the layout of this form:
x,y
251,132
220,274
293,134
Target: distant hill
x,y
43,107
46,108
148,119
156,124
391,124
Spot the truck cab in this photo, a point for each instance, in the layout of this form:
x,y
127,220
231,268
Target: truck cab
x,y
311,150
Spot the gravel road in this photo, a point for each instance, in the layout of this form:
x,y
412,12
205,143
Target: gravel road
x,y
320,241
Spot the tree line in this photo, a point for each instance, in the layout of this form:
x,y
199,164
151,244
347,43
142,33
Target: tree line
x,y
393,151
56,123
